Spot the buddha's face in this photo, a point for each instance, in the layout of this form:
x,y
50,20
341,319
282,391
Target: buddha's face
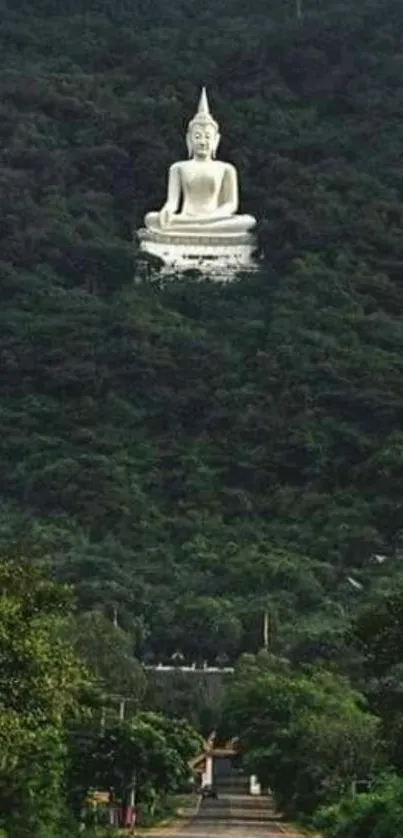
x,y
202,141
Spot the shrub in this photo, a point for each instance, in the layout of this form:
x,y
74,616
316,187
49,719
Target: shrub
x,y
377,814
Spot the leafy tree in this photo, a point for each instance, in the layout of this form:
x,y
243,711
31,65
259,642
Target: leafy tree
x,y
39,683
180,736
149,755
196,696
107,652
377,813
377,631
376,635
305,734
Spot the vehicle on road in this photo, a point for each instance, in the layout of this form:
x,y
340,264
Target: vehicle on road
x,y
209,791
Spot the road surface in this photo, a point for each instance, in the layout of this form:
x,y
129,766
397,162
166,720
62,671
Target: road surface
x,y
231,816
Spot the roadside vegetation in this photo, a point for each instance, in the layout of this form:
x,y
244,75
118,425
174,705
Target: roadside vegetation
x,y
328,742
57,746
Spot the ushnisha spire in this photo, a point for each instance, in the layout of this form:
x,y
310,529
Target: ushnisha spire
x,y
203,115
203,103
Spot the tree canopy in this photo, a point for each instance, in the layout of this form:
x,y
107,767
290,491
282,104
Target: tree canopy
x,y
307,735
40,681
192,454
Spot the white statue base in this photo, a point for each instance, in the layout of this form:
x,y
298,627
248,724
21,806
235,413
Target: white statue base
x,y
220,257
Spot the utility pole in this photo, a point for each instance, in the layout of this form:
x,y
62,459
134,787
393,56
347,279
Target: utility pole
x,y
266,628
115,617
132,800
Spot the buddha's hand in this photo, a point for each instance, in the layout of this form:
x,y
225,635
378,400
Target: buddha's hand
x,y
165,216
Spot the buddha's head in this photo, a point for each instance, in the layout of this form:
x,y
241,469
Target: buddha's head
x,y
203,136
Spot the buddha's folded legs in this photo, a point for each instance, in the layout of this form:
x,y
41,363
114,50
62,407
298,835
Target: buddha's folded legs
x,y
239,224
152,221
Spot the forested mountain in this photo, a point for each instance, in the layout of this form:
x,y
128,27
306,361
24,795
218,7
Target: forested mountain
x,y
189,453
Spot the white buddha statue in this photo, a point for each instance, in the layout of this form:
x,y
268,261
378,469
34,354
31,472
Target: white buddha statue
x,y
202,197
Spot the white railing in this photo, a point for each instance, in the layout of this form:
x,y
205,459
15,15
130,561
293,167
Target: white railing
x,y
161,667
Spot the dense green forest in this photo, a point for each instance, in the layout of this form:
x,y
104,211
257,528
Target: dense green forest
x,y
179,457
190,454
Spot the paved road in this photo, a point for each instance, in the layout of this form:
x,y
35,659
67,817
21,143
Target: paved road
x,y
235,816
231,816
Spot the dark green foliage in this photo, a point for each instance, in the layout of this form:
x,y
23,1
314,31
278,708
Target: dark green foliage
x,y
305,734
149,754
39,684
377,814
377,635
107,651
195,695
193,455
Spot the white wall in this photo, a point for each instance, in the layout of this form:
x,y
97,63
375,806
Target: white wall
x,y
254,785
207,776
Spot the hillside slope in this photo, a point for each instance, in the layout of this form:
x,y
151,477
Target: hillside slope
x,y
190,455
